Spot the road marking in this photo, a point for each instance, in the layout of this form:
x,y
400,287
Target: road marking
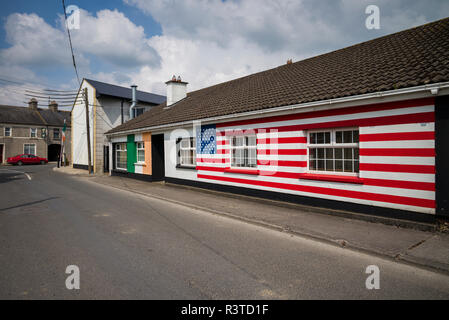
x,y
27,175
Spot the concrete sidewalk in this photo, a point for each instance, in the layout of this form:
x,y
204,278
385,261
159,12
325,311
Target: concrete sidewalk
x,y
429,249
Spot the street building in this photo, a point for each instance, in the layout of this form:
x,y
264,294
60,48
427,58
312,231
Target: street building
x,y
34,130
108,106
364,128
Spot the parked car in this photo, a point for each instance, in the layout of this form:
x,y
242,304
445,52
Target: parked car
x,y
26,159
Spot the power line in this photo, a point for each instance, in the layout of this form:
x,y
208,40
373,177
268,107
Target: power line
x,y
25,85
70,42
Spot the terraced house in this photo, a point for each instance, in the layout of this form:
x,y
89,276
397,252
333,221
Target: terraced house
x,y
364,128
33,130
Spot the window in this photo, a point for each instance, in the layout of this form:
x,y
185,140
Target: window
x,y
33,132
8,132
120,156
29,148
187,151
334,151
140,152
56,134
243,151
138,111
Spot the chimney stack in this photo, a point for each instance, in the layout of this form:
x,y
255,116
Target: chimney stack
x,y
53,106
32,104
176,90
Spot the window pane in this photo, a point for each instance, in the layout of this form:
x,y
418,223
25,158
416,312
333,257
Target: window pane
x,y
327,137
338,153
356,166
321,165
312,154
320,137
329,153
338,165
312,138
348,153
338,137
312,164
320,153
356,153
347,136
348,166
329,165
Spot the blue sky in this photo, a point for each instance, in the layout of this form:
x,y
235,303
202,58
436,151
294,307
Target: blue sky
x,y
205,42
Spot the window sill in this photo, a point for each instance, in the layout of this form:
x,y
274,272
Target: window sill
x,y
242,171
332,178
178,166
140,164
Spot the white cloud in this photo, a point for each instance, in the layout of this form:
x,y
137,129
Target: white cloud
x,y
111,36
33,42
206,42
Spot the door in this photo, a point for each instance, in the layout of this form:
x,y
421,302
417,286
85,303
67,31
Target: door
x,y
105,158
1,153
157,157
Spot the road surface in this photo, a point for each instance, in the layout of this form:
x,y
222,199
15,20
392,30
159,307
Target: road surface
x,y
129,246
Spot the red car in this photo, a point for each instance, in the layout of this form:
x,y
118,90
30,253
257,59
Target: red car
x,y
26,159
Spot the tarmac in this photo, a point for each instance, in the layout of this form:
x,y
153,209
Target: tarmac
x,y
419,244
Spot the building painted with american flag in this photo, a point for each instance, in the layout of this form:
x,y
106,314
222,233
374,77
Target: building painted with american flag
x,y
363,128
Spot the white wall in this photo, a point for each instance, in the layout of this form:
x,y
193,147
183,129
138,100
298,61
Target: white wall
x,y
79,129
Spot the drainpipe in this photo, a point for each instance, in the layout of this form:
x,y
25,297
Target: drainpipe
x,y
133,101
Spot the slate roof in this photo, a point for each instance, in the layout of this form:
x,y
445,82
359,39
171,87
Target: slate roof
x,y
408,58
39,117
112,90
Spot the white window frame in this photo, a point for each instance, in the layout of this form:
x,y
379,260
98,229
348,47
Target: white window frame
x,y
29,144
31,132
333,144
140,146
190,149
245,147
10,132
116,151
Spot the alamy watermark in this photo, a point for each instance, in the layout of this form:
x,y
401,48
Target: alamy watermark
x,y
73,280
73,17
373,19
373,280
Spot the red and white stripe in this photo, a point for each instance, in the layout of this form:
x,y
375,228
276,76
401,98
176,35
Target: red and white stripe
x,y
397,155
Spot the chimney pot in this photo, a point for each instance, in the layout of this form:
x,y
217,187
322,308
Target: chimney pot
x,y
173,78
32,104
176,90
53,106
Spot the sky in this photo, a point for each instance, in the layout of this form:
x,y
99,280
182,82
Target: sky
x,y
146,42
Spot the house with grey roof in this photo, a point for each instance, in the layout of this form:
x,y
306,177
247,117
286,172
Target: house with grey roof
x,y
33,130
364,128
108,106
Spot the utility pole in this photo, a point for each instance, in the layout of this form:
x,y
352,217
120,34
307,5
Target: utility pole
x,y
86,101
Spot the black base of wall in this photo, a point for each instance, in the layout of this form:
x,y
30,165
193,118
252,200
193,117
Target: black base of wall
x,y
137,176
309,201
80,166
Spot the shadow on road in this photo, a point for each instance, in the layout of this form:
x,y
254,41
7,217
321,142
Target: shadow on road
x,y
28,204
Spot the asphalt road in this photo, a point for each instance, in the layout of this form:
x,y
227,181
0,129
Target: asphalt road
x,y
130,246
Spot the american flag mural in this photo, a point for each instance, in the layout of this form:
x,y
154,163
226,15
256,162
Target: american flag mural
x,y
206,138
396,155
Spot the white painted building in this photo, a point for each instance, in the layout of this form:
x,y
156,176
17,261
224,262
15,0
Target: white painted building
x,y
109,106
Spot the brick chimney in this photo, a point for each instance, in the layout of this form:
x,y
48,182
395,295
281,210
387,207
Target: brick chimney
x,y
53,106
32,104
176,90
